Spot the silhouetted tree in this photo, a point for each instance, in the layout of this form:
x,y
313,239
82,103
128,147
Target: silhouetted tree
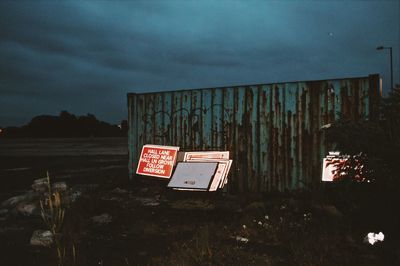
x,y
64,125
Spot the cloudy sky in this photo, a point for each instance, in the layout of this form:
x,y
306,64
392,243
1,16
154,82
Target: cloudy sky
x,y
84,56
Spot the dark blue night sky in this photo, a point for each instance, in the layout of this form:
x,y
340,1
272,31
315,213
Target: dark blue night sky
x,y
84,56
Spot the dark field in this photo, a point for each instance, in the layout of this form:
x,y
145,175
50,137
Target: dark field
x,y
79,162
73,160
146,224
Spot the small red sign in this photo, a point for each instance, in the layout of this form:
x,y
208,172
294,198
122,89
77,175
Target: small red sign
x,y
156,160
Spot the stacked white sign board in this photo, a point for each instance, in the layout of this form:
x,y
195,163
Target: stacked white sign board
x,y
329,165
201,171
194,171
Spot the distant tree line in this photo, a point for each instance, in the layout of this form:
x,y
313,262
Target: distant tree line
x,y
66,125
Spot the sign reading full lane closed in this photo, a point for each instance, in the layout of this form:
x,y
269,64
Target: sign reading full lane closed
x,y
157,160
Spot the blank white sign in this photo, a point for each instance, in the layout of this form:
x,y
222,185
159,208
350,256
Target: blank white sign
x,y
193,175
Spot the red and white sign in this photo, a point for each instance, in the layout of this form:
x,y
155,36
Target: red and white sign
x,y
220,175
157,160
329,168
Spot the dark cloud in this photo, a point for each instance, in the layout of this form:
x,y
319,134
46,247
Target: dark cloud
x,y
84,56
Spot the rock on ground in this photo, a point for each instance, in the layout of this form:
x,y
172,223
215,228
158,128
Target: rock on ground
x,y
71,196
28,209
147,201
192,204
42,238
104,218
59,186
14,201
119,191
40,185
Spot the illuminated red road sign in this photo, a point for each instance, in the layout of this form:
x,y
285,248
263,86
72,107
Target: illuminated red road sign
x,y
157,160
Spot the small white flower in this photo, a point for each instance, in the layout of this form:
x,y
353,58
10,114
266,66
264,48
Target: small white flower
x,y
244,227
260,223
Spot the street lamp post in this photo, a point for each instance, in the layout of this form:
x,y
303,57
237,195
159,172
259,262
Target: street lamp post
x,y
391,63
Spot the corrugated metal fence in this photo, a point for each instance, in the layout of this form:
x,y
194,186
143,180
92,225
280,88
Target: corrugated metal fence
x,y
273,131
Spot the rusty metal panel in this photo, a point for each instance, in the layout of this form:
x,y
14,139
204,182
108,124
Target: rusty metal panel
x,y
159,114
240,136
273,131
166,132
263,107
132,131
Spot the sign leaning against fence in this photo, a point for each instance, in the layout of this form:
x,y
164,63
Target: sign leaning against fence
x,y
156,160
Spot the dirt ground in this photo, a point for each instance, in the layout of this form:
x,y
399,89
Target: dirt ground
x,y
120,222
73,160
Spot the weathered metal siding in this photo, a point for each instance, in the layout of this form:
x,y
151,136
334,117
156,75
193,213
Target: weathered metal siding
x,y
273,131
